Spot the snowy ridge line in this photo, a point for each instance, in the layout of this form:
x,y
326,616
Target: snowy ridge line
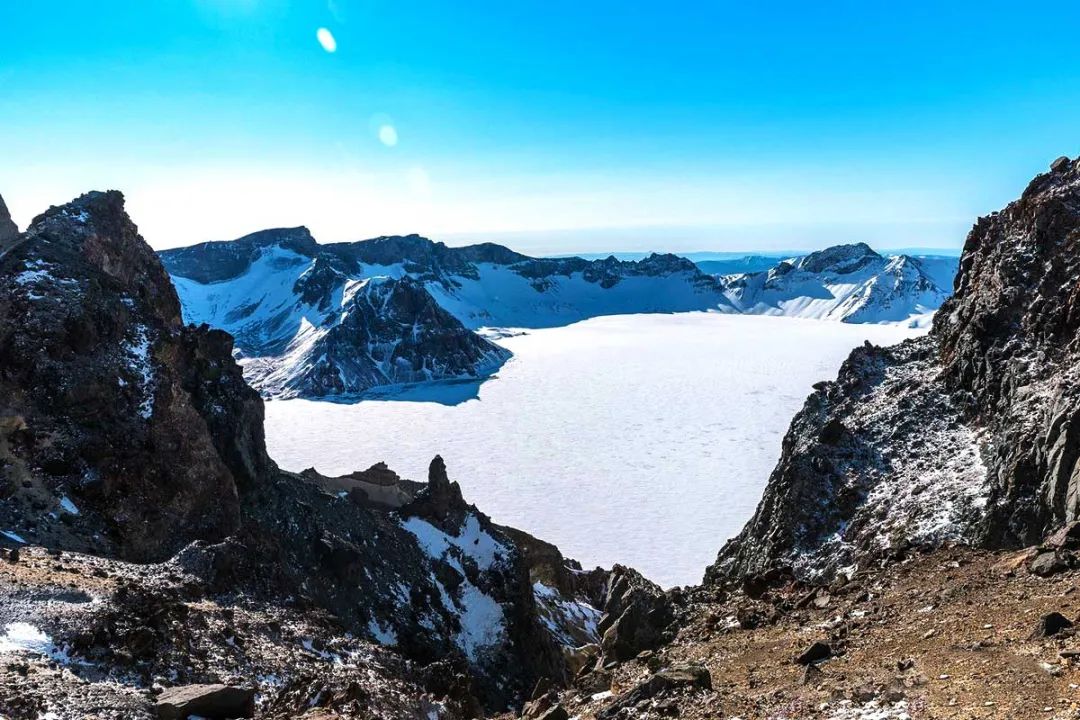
x,y
849,283
344,319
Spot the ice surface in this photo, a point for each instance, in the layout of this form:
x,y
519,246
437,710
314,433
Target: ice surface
x,y
640,439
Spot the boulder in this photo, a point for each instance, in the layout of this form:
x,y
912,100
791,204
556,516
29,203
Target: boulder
x,y
680,678
1051,624
1065,537
207,701
816,653
1047,563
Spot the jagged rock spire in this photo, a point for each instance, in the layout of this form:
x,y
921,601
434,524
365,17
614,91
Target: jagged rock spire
x,y
8,230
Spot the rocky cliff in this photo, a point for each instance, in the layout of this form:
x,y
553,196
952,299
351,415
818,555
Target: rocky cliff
x,y
131,450
968,434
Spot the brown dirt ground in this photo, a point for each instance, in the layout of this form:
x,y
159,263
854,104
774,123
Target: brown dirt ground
x,y
949,633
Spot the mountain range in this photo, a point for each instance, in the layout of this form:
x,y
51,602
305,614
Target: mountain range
x,y
916,551
339,320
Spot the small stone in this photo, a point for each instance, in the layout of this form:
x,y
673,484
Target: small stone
x,y
816,653
1061,164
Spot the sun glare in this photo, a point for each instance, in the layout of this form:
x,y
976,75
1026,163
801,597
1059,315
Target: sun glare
x,y
388,135
326,39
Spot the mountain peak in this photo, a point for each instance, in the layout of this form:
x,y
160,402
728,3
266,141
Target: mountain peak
x,y
839,258
94,229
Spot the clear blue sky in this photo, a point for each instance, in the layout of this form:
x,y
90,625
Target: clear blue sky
x,y
554,126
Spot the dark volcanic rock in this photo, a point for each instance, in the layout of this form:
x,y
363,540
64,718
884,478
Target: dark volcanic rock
x,y
1051,624
684,678
8,230
144,425
391,332
636,614
971,434
816,653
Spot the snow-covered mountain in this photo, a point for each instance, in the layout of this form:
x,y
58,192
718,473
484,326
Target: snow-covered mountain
x,y
339,319
849,283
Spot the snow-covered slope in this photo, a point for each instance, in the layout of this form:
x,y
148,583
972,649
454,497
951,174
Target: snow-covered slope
x,y
322,320
850,283
304,328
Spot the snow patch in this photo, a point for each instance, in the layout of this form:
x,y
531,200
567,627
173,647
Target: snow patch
x,y
472,541
24,637
384,635
139,362
13,537
483,624
571,622
870,711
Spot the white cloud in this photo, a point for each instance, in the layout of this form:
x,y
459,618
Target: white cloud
x,y
326,39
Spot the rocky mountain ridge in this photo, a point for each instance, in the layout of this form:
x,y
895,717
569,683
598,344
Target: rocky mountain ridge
x,y
964,435
131,449
853,593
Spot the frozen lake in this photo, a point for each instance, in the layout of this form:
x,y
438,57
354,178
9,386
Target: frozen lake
x,y
637,439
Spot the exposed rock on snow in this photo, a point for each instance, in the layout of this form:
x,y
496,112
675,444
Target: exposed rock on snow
x,y
850,283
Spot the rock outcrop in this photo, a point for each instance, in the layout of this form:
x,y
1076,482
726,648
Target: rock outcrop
x,y
8,229
966,435
123,425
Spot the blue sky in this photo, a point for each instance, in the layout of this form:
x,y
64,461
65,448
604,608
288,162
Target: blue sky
x,y
553,126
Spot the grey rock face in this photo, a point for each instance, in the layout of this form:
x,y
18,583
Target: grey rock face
x,y
393,332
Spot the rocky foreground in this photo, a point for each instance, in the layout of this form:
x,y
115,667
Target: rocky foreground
x,y
181,556
916,553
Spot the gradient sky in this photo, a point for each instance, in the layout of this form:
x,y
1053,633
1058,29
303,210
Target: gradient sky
x,y
553,126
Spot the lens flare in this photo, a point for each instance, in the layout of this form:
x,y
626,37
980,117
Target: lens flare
x,y
326,39
388,135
